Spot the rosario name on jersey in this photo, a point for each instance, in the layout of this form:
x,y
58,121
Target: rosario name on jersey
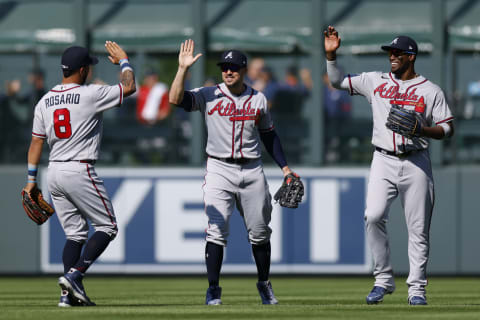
x,y
232,121
70,117
383,90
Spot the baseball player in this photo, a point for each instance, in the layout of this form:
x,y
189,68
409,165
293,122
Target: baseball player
x,y
400,166
69,117
237,118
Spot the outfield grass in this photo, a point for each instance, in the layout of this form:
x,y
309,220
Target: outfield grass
x,y
183,298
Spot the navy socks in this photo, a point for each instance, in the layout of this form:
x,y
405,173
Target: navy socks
x,y
262,253
213,260
97,243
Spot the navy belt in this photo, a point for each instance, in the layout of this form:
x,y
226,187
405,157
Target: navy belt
x,y
233,160
399,155
89,161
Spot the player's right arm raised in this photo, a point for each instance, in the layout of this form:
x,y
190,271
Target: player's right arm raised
x,y
332,43
185,61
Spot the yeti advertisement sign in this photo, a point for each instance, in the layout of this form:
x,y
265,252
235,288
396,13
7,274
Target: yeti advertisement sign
x,y
161,220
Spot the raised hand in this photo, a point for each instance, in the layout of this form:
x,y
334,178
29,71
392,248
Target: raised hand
x,y
332,40
115,52
185,57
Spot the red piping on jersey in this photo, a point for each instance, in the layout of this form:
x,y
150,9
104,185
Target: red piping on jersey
x,y
243,121
233,122
65,89
39,135
446,120
350,84
121,93
103,200
394,144
390,74
413,85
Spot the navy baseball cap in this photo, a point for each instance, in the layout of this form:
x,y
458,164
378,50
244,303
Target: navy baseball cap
x,y
75,57
233,57
403,43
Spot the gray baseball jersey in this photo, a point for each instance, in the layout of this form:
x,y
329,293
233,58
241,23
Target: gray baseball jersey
x,y
233,122
400,166
70,117
233,126
383,90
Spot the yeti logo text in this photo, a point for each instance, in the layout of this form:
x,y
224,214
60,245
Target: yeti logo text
x,y
162,221
229,55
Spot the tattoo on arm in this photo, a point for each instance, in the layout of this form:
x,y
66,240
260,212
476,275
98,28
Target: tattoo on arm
x,y
128,82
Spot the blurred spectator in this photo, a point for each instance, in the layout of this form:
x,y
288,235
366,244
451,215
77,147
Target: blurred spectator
x,y
337,113
35,92
293,91
271,85
473,96
10,126
298,82
152,100
254,74
209,82
287,111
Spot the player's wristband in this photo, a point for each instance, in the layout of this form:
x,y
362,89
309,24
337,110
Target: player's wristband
x,y
125,65
32,173
446,129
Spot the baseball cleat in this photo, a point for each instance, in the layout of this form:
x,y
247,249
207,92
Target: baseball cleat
x,y
213,296
72,282
266,292
64,300
376,295
417,301
67,300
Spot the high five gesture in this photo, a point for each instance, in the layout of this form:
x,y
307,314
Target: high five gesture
x,y
185,57
332,42
185,61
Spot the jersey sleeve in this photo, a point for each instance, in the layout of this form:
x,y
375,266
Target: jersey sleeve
x,y
38,129
107,97
198,101
265,122
441,113
356,84
359,84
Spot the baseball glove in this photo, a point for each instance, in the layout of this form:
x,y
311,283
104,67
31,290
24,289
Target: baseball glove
x,y
36,207
408,123
290,194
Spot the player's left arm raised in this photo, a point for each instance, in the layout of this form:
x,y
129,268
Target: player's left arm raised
x,y
118,56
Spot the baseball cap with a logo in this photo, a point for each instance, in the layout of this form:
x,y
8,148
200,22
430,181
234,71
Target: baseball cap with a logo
x,y
234,57
73,58
403,43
